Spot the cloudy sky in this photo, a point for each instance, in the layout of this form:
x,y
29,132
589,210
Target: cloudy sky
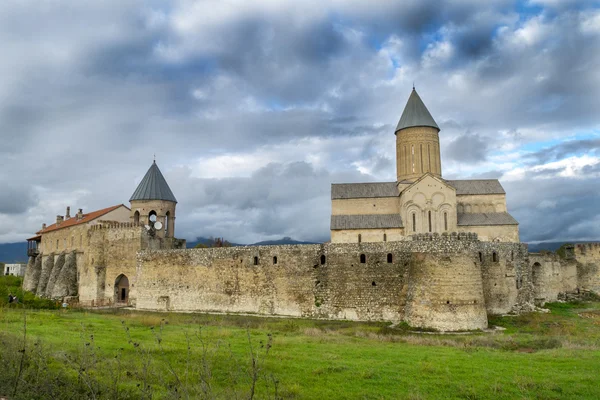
x,y
253,108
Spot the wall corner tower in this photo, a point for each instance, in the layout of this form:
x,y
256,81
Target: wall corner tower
x,y
417,142
153,201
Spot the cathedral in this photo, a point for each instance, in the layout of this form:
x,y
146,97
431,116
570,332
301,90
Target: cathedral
x,y
421,201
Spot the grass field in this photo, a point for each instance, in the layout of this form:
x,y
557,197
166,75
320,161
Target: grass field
x,y
123,354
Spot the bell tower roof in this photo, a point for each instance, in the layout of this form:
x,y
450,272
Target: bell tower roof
x,y
153,187
415,114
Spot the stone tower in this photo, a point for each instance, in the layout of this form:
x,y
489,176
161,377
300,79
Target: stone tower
x,y
154,202
417,142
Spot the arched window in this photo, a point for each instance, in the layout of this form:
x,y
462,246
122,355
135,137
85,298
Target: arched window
x,y
445,221
429,212
274,260
512,255
405,160
495,257
151,218
167,218
422,158
385,237
323,259
414,222
412,152
255,260
480,257
389,258
363,259
136,217
359,238
429,156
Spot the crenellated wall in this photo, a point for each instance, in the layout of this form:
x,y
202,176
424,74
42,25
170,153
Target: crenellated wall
x,y
432,281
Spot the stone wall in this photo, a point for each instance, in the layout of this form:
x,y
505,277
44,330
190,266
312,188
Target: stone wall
x,y
375,205
588,268
552,276
366,281
491,233
367,235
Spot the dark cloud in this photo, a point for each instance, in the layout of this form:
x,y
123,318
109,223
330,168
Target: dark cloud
x,y
468,148
254,108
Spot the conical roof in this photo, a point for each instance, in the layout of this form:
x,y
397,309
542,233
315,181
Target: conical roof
x,y
153,187
415,114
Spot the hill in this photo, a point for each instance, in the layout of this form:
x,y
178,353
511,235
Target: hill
x,y
284,240
13,252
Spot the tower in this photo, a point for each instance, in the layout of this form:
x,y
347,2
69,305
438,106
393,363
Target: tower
x,y
154,202
417,142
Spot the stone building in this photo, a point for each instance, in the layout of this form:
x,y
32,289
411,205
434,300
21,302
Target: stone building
x,y
420,201
92,255
15,269
435,253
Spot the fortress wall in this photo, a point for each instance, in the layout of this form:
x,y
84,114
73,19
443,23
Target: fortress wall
x,y
343,287
112,251
551,276
505,276
226,279
32,273
588,269
445,292
367,235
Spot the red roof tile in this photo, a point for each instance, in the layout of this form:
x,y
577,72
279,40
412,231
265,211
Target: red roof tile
x,y
74,221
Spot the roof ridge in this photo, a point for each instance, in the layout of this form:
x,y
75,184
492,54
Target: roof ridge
x,y
73,221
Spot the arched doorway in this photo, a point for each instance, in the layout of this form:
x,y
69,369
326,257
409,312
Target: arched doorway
x,y
122,289
136,217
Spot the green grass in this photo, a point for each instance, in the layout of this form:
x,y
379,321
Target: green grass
x,y
538,356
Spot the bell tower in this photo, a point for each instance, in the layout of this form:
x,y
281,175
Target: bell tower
x,y
417,142
154,204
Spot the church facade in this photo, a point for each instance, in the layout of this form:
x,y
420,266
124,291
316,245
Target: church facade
x,y
421,201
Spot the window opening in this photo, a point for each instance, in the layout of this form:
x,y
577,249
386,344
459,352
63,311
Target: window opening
x,y
421,158
412,151
405,160
385,237
274,259
136,217
414,222
359,238
495,257
445,221
480,257
323,259
429,212
429,156
373,283
255,260
363,259
167,217
389,258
